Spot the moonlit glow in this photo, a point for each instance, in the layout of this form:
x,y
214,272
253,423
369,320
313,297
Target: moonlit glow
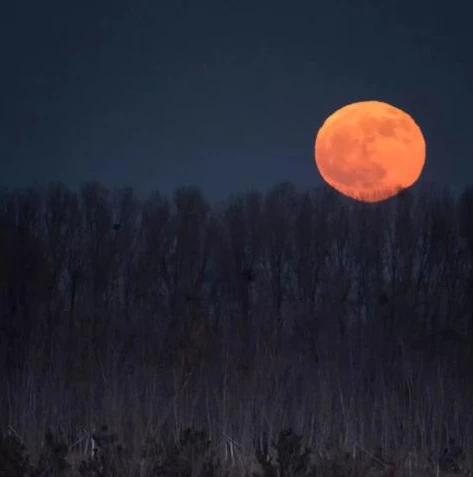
x,y
370,151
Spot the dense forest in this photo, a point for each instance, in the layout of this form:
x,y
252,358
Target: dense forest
x,y
349,323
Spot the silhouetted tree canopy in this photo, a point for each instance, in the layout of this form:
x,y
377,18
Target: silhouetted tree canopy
x,y
282,298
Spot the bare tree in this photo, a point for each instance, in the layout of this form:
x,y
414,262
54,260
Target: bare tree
x,y
280,211
126,245
154,242
100,252
23,269
239,254
466,230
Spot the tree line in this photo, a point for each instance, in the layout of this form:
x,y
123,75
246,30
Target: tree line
x,y
343,319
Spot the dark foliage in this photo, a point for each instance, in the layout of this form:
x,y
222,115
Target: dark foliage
x,y
190,456
13,459
291,461
52,461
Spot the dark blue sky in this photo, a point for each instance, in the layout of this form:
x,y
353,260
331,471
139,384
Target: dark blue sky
x,y
225,95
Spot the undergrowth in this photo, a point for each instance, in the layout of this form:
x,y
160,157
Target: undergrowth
x,y
192,455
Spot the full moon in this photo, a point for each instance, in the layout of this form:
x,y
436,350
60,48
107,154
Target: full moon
x,y
370,151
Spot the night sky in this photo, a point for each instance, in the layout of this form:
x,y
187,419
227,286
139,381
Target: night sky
x,y
224,95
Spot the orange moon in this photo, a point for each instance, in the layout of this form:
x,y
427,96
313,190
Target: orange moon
x,y
370,151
